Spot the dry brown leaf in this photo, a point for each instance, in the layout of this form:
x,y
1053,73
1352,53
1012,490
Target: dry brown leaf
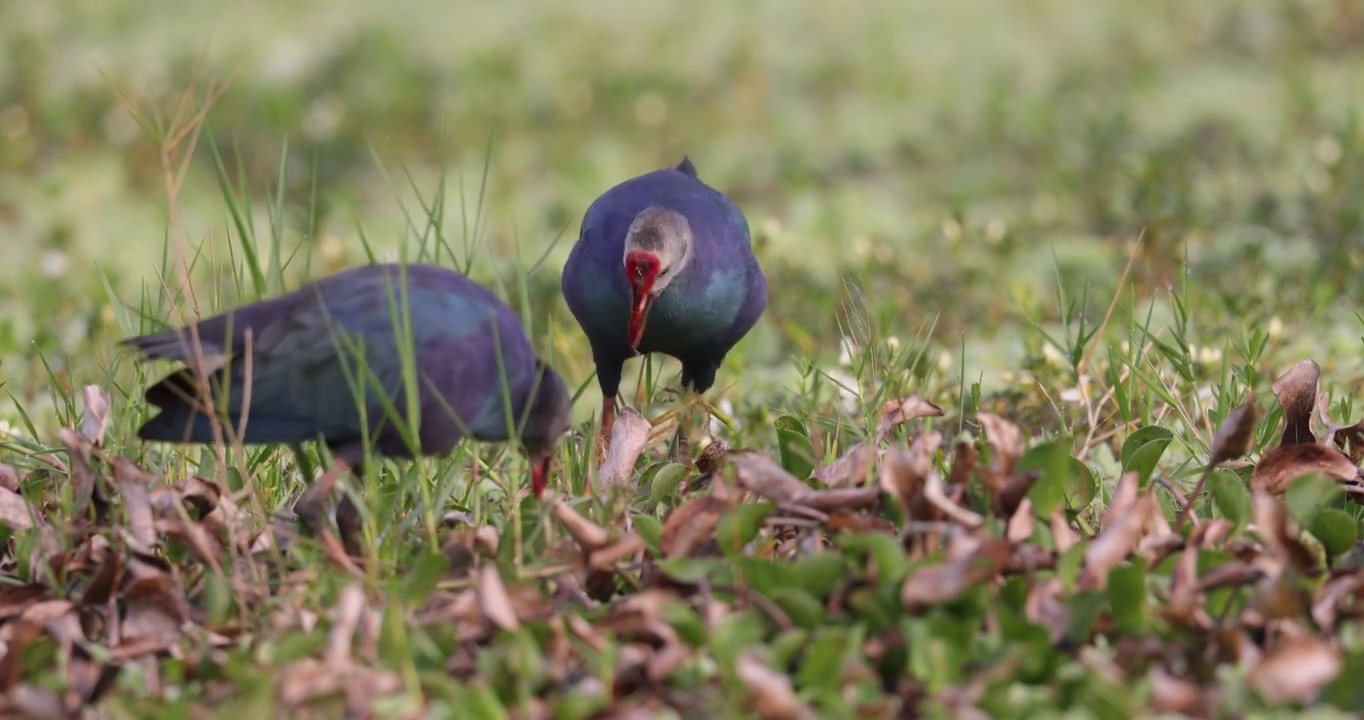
x,y
1211,533
1182,609
1062,534
1296,670
79,453
1236,433
606,558
494,601
935,492
108,565
95,419
1013,492
156,609
15,599
904,472
689,525
1022,524
202,544
1342,590
1006,448
1349,438
964,461
1229,574
1272,525
667,661
840,498
629,435
1297,393
465,545
9,477
1170,694
761,475
134,487
1124,497
949,580
1279,467
16,513
308,679
589,535
712,456
769,692
1116,543
37,703
853,468
350,606
1045,608
900,411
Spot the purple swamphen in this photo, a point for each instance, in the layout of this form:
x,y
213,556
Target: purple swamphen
x,y
663,263
290,369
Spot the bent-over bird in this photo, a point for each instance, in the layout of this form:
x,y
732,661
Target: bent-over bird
x,y
663,263
327,362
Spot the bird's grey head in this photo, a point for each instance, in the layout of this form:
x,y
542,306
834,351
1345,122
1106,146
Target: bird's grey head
x,y
548,420
658,248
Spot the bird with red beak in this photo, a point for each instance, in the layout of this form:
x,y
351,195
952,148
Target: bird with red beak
x,y
663,264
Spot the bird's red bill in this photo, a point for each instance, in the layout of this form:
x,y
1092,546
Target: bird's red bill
x,y
641,269
539,474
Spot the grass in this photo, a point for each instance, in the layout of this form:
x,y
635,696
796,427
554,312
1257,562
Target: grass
x,y
1091,235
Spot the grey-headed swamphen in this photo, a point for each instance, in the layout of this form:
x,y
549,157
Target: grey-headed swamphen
x,y
663,263
289,370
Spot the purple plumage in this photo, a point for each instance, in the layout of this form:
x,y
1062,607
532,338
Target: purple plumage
x,y
329,362
663,263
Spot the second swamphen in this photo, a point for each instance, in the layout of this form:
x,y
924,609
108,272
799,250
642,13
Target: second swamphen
x,y
291,368
663,263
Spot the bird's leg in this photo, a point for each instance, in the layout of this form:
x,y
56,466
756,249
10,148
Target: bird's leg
x,y
608,417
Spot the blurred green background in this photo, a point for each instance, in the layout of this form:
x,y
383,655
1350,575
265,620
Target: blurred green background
x,y
904,165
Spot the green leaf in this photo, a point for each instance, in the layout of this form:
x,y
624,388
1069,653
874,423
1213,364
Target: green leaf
x,y
737,633
786,646
690,570
419,580
1085,608
820,573
802,607
1068,564
823,666
1230,494
1053,460
665,480
1142,450
1309,494
739,526
885,551
1127,597
1336,529
650,529
878,607
685,620
479,701
765,576
793,441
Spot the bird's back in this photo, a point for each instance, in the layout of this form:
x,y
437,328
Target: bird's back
x,y
308,356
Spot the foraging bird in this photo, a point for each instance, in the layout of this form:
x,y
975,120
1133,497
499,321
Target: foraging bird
x,y
663,263
290,369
